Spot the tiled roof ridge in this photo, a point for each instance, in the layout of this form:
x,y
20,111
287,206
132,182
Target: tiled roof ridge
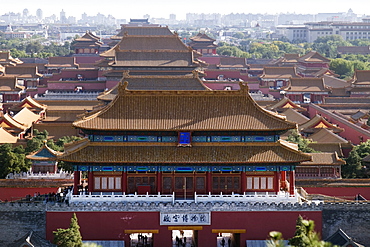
x,y
74,146
315,120
280,68
310,55
6,136
243,92
300,156
44,147
14,122
122,89
326,132
283,102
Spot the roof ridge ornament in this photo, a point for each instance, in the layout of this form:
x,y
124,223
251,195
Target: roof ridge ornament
x,y
195,73
126,74
243,87
122,87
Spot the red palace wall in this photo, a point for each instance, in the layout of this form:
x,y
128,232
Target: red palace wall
x,y
350,132
213,74
111,225
12,194
341,192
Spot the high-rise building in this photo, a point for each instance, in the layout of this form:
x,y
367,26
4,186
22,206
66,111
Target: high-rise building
x,y
39,14
62,16
25,12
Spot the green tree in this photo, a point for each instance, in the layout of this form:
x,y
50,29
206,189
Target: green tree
x,y
36,142
64,140
305,235
354,167
275,239
59,146
18,53
12,161
34,47
303,143
359,65
341,67
327,45
70,237
238,35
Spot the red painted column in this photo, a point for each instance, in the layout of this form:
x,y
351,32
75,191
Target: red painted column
x,y
90,179
292,182
76,181
244,182
159,182
209,182
276,182
283,175
283,180
124,182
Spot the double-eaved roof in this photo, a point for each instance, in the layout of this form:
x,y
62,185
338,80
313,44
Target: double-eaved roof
x,y
158,48
88,40
183,110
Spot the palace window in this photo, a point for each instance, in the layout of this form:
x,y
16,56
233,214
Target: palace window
x,y
107,183
260,183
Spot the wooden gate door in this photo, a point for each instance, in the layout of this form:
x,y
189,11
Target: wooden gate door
x,y
184,187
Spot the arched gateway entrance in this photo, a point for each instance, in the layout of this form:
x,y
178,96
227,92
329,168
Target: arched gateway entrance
x,y
141,238
228,237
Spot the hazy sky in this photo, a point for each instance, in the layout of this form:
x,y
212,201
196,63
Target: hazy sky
x,y
125,9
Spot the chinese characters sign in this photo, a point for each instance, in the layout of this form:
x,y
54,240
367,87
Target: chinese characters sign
x,y
185,218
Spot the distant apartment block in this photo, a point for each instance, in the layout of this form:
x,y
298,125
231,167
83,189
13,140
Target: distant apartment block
x,y
310,31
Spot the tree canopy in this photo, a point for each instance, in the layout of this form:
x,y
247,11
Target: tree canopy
x,y
34,47
354,167
13,159
304,236
303,143
70,237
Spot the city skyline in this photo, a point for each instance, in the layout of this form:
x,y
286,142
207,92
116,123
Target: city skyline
x,y
164,8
